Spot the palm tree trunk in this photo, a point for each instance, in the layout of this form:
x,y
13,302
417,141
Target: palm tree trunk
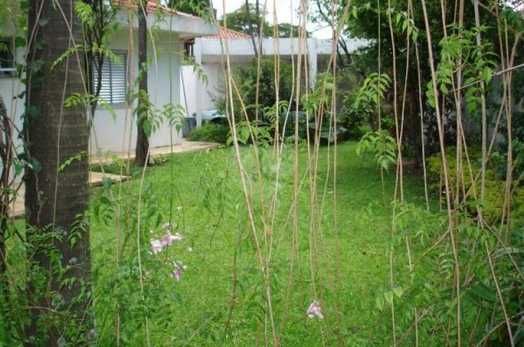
x,y
56,196
142,141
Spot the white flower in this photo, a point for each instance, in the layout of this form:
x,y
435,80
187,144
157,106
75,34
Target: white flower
x,y
156,246
169,238
166,241
315,311
179,268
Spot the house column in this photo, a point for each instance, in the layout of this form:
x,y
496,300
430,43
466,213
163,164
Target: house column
x,y
197,53
313,62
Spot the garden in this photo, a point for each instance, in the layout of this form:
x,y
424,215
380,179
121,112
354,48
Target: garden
x,y
204,288
378,203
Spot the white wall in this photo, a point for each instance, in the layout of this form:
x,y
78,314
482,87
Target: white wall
x,y
197,96
9,89
117,133
242,49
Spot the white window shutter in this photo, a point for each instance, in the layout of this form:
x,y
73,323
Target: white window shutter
x,y
114,79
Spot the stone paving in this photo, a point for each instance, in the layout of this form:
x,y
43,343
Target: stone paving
x,y
97,178
182,147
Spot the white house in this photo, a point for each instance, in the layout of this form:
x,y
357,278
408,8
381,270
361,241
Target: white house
x,y
116,131
172,34
208,51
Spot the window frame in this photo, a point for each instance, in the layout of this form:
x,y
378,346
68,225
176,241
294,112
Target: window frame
x,y
109,64
189,48
8,72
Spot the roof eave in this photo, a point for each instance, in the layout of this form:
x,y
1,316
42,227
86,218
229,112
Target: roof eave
x,y
186,26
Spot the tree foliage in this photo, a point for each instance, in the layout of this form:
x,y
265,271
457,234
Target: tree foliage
x,y
248,21
369,20
196,7
246,77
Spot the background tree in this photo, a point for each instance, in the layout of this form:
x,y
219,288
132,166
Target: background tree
x,y
97,18
369,20
246,77
8,191
289,30
244,18
12,22
56,180
253,33
249,20
199,8
142,141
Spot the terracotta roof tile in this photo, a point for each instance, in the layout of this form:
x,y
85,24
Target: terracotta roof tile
x,y
152,6
225,33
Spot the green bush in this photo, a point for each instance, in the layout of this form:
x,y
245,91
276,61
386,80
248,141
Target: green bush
x,y
210,132
359,106
494,186
353,118
245,78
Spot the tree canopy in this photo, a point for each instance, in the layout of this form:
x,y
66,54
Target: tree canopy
x,y
397,28
247,21
195,7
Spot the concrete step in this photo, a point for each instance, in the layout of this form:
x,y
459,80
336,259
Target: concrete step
x,y
155,152
95,179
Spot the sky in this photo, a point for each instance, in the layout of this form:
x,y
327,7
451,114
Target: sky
x,y
286,12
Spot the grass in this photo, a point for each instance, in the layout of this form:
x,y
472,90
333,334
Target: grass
x,y
199,193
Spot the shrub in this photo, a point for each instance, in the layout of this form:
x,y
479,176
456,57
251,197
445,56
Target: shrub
x,y
353,119
247,79
210,132
359,106
494,187
381,146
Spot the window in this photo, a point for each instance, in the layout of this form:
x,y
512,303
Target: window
x,y
189,48
7,58
114,79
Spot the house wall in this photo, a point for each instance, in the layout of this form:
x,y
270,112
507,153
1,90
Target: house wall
x,y
10,88
116,131
197,96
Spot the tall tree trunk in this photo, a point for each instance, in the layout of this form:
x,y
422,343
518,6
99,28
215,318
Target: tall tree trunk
x,y
142,141
6,155
251,30
56,194
95,37
259,19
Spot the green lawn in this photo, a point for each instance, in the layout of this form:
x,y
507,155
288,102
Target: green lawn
x,y
345,268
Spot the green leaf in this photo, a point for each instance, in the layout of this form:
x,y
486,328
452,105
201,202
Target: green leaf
x,y
481,291
379,301
398,291
389,297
